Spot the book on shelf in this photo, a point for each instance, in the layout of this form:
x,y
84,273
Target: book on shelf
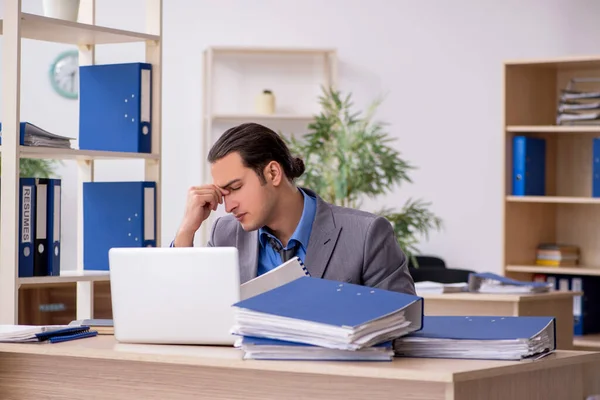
x,y
557,255
480,337
330,314
33,135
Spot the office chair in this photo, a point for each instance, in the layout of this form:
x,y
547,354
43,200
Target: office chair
x,y
441,275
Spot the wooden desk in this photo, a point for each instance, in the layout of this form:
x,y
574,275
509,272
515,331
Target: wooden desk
x,y
100,368
558,304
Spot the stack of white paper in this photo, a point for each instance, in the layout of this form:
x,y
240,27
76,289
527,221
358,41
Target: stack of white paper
x,y
428,287
285,273
267,349
24,333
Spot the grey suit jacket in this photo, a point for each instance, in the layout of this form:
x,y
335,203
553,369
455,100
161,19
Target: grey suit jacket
x,y
345,245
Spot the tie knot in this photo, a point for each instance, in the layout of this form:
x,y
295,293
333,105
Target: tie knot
x,y
285,254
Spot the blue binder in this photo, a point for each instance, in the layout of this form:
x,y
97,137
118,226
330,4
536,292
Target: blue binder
x,y
596,167
116,214
115,103
484,327
480,337
321,307
54,226
529,166
42,246
27,208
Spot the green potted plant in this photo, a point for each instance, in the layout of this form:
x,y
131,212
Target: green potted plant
x,y
348,157
36,168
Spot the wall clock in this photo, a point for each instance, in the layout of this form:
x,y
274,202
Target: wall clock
x,y
64,74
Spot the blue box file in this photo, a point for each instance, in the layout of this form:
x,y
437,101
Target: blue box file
x,y
115,103
116,214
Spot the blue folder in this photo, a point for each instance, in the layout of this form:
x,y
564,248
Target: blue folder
x,y
115,105
27,214
529,166
330,302
116,214
329,314
482,327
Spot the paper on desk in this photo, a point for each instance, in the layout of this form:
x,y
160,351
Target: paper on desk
x,y
24,333
285,273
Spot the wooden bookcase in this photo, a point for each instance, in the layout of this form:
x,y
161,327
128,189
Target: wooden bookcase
x,y
567,213
85,34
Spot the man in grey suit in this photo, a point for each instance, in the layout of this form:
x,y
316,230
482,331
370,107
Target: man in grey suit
x,y
271,219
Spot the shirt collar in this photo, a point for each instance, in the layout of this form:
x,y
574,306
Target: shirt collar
x,y
304,228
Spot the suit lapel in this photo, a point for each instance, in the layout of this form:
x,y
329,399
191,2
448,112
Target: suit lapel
x,y
323,238
247,245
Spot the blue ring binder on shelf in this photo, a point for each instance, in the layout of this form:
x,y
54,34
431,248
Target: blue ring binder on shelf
x,y
65,334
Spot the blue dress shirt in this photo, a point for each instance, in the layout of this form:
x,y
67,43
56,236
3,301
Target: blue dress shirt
x,y
268,257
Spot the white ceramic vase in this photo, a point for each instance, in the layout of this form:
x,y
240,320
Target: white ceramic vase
x,y
265,103
61,9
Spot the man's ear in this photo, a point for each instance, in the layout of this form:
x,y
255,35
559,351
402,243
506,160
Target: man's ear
x,y
273,173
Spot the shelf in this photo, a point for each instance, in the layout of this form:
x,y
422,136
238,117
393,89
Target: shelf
x,y
66,277
259,117
553,129
553,199
269,50
38,27
582,270
75,154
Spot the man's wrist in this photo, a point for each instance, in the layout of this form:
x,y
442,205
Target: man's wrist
x,y
184,239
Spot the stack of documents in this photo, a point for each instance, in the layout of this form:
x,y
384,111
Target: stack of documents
x,y
491,338
269,349
38,333
284,273
487,282
329,314
32,135
580,106
429,287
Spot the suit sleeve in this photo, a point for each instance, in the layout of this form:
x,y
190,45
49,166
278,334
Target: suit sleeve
x,y
211,237
385,265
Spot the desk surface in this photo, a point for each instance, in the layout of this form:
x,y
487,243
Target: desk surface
x,y
502,297
407,369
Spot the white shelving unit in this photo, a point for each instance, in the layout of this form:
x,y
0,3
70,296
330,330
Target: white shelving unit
x,y
16,26
233,76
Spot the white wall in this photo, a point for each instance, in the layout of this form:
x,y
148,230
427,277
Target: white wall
x,y
439,62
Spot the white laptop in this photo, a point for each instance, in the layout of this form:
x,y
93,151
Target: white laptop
x,y
166,295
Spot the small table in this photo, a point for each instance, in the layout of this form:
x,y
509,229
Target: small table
x,y
556,303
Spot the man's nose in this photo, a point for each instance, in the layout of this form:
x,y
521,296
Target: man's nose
x,y
229,205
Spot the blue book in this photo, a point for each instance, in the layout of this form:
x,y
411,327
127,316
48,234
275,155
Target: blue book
x,y
27,213
329,313
529,166
115,107
269,349
480,337
116,214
